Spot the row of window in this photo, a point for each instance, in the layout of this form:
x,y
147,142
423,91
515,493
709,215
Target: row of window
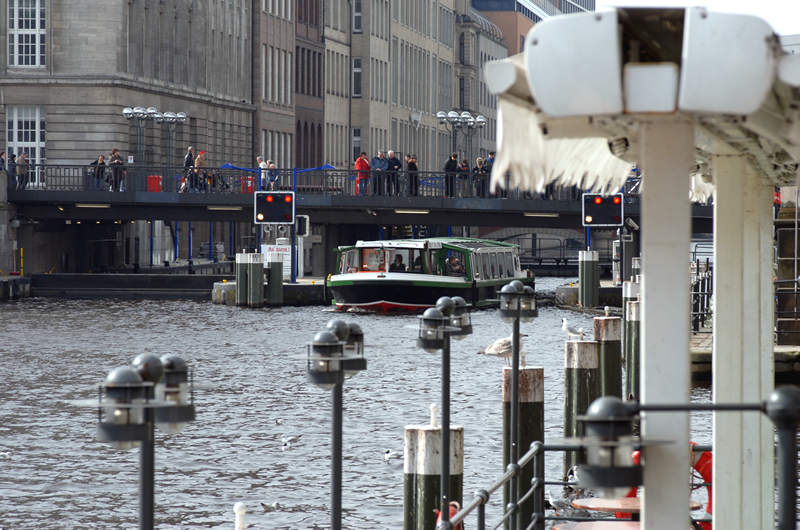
x,y
486,97
416,15
309,144
277,146
379,86
336,145
414,85
309,72
308,12
336,14
337,78
407,138
379,19
278,8
277,67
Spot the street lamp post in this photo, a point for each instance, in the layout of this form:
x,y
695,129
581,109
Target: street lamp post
x,y
336,353
132,400
464,122
169,121
437,324
517,304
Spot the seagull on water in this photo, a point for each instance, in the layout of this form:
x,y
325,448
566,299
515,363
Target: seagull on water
x,y
279,421
571,330
286,446
503,348
5,455
290,439
389,455
274,507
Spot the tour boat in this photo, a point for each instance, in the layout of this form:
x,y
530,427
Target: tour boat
x,y
411,274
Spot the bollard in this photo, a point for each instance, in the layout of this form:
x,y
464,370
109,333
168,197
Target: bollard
x,y
531,429
630,290
607,333
422,470
636,269
241,279
580,389
239,509
589,278
275,280
255,280
632,316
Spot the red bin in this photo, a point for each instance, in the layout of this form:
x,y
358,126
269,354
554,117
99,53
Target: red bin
x,y
154,183
248,184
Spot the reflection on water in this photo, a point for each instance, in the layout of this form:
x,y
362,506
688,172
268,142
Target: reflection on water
x,y
59,476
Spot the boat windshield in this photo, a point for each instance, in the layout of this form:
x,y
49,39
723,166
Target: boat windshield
x,y
406,260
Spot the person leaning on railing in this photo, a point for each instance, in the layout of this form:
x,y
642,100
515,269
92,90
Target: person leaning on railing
x,y
480,177
117,173
22,170
99,173
362,177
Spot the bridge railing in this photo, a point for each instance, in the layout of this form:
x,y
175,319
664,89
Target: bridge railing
x,y
175,179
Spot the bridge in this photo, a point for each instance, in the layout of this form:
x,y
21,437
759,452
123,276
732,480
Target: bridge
x,y
328,196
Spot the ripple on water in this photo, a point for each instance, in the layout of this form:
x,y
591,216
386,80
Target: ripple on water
x,y
58,350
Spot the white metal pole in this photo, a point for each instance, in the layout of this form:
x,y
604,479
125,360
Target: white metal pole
x,y
667,153
742,357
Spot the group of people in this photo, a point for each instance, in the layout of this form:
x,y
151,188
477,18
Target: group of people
x,y
196,179
116,180
270,176
385,170
453,170
17,167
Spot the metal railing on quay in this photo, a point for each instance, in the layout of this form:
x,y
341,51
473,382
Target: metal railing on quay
x,y
702,293
535,457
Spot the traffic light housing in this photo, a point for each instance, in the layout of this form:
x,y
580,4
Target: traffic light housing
x,y
301,228
600,210
274,207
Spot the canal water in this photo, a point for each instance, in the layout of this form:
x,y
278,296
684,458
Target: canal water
x,y
58,476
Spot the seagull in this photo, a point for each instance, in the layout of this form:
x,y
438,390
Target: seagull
x,y
275,506
279,421
290,439
286,446
503,348
571,330
388,455
5,455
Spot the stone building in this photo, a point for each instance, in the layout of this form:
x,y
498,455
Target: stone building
x,y
69,68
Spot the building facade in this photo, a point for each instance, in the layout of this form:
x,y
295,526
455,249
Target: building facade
x,y
68,70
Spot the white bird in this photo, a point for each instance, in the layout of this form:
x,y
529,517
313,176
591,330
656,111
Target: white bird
x,y
503,348
279,421
5,455
389,455
275,506
571,330
286,446
291,439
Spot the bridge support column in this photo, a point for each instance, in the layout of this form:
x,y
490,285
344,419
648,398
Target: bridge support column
x,y
742,361
666,154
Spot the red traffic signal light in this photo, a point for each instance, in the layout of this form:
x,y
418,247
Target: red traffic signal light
x,y
274,207
602,211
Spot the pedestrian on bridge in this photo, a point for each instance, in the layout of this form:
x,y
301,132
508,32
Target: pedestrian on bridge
x,y
199,167
450,170
392,174
22,170
99,173
189,177
117,173
413,176
379,166
12,171
362,177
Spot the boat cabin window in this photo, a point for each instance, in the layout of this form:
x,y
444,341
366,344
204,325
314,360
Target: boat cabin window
x,y
509,258
493,265
484,264
399,259
455,264
372,259
348,262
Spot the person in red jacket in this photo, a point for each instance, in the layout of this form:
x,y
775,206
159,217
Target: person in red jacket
x,y
362,177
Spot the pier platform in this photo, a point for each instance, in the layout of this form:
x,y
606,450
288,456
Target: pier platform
x,y
787,360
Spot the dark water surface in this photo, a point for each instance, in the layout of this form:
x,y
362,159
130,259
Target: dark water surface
x,y
53,351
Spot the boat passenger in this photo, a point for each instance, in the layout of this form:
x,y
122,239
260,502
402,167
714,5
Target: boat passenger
x,y
398,265
454,267
418,264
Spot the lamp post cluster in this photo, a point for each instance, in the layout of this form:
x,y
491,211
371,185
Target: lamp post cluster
x,y
135,399
335,353
169,122
464,122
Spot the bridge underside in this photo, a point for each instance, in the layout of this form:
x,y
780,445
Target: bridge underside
x,y
322,209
